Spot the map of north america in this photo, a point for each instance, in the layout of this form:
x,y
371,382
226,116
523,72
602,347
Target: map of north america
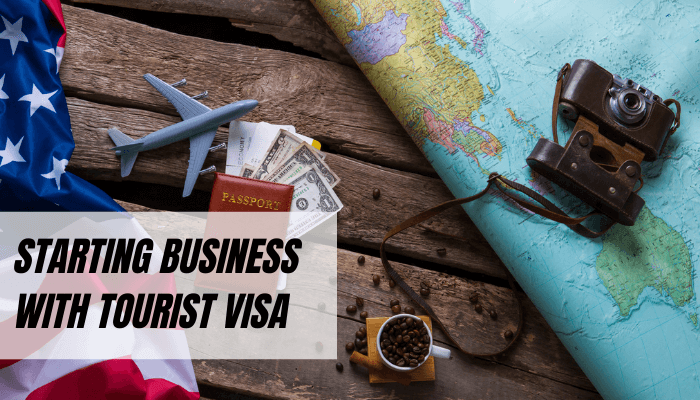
x,y
472,82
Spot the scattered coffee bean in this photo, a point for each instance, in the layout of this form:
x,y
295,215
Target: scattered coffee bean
x,y
322,306
442,252
396,309
363,315
363,351
409,310
508,334
339,367
359,301
376,193
358,343
363,329
478,308
351,309
361,260
360,334
319,347
376,279
392,283
364,342
349,347
425,292
474,298
394,303
493,314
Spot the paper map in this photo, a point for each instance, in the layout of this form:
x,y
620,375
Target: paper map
x,y
472,82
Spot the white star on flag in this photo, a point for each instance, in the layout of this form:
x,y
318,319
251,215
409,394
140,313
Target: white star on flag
x,y
57,55
13,33
38,99
59,168
11,152
3,95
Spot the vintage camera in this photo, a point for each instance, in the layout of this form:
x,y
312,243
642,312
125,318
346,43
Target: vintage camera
x,y
619,123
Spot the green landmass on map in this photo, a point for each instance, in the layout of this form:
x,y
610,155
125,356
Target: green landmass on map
x,y
648,254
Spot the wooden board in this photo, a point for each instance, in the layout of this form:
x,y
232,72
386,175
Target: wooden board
x,y
538,351
362,222
292,21
106,59
425,372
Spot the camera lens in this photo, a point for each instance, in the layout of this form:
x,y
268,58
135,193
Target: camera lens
x,y
632,101
627,105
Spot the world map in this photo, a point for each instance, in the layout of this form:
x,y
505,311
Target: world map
x,y
472,81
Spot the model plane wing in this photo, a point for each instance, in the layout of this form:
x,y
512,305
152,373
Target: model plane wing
x,y
199,148
185,105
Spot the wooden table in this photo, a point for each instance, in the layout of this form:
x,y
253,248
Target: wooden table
x,y
314,86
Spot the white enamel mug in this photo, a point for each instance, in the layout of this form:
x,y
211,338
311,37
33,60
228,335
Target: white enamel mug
x,y
435,351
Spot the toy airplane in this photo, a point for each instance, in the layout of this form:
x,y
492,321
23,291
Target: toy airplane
x,y
199,124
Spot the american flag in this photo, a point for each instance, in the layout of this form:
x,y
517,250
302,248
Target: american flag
x,y
36,144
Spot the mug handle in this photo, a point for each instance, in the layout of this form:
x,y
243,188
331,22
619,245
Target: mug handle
x,y
440,352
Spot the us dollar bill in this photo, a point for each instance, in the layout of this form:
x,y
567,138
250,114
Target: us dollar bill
x,y
312,203
304,156
247,171
280,149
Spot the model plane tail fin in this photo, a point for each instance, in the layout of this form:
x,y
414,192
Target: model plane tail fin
x,y
126,147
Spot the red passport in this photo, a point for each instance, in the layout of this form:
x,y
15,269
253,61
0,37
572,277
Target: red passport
x,y
247,209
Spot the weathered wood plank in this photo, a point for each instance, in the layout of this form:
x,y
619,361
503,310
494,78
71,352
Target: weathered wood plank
x,y
538,351
294,21
363,221
334,104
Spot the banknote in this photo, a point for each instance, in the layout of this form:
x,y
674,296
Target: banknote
x,y
280,149
257,143
303,155
312,203
246,171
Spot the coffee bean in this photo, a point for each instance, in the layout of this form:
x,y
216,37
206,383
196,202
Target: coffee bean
x,y
392,283
376,279
363,329
339,367
386,353
363,343
319,347
474,298
384,336
413,363
363,315
406,338
361,260
360,334
349,346
351,309
363,351
426,338
417,350
404,325
410,322
376,193
321,306
399,339
396,309
493,314
425,292
423,331
358,343
442,252
426,351
421,358
359,301
508,334
401,362
394,303
409,310
478,308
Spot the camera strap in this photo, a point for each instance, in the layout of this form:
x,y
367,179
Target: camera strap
x,y
505,187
